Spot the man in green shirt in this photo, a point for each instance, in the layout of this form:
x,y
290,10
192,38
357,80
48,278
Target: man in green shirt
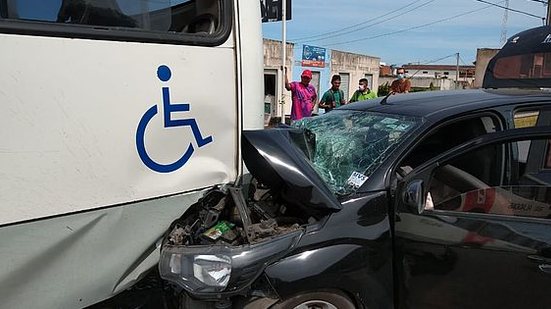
x,y
363,93
334,97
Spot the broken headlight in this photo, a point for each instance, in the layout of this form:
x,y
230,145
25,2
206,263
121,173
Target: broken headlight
x,y
212,270
196,269
206,270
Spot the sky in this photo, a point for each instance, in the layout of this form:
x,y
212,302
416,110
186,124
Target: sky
x,y
406,31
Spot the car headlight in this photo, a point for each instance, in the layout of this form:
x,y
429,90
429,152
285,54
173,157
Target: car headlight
x,y
207,270
212,270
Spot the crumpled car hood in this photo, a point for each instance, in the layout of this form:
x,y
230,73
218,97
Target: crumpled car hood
x,y
279,158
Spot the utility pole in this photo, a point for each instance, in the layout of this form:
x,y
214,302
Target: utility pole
x,y
503,39
457,71
548,19
283,55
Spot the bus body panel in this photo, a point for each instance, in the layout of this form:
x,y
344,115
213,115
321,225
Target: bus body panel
x,y
77,260
252,64
72,108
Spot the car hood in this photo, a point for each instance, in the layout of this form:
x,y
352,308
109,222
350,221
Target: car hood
x,y
278,158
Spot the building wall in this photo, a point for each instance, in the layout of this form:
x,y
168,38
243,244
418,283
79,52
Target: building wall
x,y
449,74
423,82
272,54
357,66
466,73
483,57
385,70
272,65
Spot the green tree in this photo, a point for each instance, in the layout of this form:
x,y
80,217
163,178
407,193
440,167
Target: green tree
x,y
383,90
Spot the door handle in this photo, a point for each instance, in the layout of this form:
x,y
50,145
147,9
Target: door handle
x,y
546,268
545,265
540,259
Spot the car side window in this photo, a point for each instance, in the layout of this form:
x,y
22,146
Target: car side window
x,y
547,164
534,157
489,180
445,138
525,119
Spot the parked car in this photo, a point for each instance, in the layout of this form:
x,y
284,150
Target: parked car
x,y
425,200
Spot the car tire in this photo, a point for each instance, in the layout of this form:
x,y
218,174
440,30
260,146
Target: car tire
x,y
317,300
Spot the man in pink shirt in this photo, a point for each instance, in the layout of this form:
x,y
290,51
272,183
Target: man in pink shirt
x,y
303,95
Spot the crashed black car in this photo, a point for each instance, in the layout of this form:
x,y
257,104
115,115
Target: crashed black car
x,y
429,200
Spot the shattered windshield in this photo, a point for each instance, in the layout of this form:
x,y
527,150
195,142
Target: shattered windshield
x,y
350,145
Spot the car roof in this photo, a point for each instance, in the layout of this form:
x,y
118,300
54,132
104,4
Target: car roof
x,y
440,104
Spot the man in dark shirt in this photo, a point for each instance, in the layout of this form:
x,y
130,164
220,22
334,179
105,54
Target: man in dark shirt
x,y
334,97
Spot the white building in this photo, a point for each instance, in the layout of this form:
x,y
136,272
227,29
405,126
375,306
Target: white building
x,y
466,72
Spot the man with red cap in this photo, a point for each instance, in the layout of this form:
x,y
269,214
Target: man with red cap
x,y
303,95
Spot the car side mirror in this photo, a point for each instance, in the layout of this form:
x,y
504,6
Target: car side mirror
x,y
412,196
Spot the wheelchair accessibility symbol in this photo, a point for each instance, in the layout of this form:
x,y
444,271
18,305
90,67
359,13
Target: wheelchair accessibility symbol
x,y
164,74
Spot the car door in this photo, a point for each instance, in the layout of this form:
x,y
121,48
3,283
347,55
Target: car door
x,y
470,235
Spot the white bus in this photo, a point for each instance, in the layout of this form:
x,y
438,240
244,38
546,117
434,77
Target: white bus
x,y
116,116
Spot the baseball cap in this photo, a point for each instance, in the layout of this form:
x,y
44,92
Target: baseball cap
x,y
307,73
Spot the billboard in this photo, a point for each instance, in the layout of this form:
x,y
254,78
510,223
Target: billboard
x,y
271,10
313,56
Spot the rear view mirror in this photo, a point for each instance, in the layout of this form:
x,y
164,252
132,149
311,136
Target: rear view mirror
x,y
412,196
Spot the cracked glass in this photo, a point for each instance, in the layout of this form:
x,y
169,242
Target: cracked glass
x,y
350,145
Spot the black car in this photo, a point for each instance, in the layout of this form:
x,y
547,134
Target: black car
x,y
428,200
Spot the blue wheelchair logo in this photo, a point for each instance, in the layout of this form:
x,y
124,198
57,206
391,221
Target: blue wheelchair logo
x,y
164,74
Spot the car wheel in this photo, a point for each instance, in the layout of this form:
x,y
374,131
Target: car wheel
x,y
316,300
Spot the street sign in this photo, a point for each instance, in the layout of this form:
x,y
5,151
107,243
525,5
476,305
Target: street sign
x,y
313,56
271,10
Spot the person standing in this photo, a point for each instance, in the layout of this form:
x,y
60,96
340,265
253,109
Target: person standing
x,y
400,85
334,97
303,95
363,93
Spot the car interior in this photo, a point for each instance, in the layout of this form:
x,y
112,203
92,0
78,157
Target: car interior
x,y
448,136
503,179
476,170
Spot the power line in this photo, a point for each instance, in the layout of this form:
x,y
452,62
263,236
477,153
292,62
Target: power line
x,y
509,9
339,32
374,24
432,61
352,26
462,61
439,59
410,28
